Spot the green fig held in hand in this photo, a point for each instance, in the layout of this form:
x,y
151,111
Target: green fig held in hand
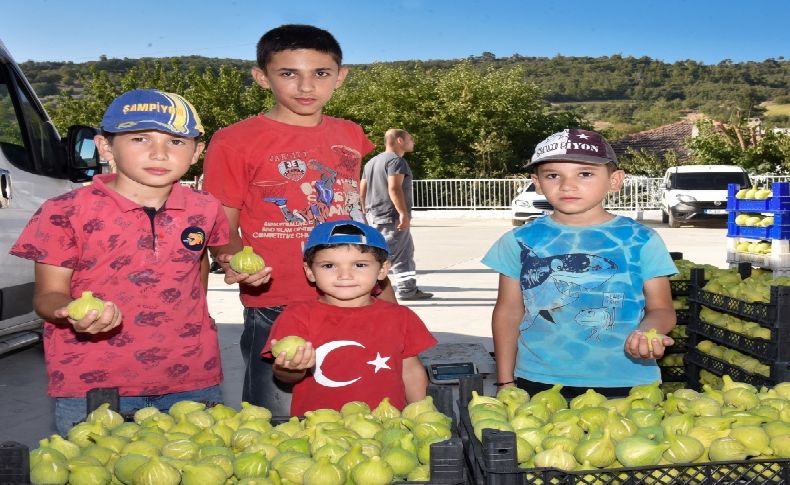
x,y
81,306
246,261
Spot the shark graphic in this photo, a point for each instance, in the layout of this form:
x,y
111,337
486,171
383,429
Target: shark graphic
x,y
597,320
553,282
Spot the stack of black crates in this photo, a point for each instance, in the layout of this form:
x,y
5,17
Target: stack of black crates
x,y
676,372
774,315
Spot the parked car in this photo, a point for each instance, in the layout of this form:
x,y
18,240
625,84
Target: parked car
x,y
693,192
528,205
35,165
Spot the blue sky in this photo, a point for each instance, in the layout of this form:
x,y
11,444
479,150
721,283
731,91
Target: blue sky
x,y
372,30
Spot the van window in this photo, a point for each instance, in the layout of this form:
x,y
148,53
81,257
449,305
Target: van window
x,y
27,138
707,180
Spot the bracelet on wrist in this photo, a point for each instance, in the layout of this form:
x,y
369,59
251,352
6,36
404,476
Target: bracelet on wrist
x,y
500,384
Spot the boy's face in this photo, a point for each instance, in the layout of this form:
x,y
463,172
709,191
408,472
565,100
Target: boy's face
x,y
345,275
150,158
302,82
576,190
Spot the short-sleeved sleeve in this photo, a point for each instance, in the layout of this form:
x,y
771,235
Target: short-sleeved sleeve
x,y
417,337
49,237
656,260
224,172
397,166
505,256
221,232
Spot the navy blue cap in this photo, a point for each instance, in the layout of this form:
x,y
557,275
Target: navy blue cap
x,y
151,109
346,232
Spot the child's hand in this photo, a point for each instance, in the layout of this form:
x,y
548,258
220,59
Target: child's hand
x,y
231,277
647,345
93,322
303,359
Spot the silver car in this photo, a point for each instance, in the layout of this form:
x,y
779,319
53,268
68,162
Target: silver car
x,y
528,205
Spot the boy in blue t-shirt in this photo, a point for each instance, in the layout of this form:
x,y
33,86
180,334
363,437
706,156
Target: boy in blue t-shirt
x,y
579,289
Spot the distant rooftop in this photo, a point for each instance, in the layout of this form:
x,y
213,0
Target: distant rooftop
x,y
658,141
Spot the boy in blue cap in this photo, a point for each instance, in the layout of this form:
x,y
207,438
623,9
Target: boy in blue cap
x,y
380,340
137,240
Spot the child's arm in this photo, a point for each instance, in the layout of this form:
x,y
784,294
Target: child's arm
x,y
505,321
53,293
415,379
294,370
659,315
222,255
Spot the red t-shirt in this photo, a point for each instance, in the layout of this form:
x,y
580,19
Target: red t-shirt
x,y
150,268
285,179
359,352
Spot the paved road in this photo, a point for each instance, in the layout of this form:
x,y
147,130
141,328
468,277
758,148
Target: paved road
x,y
448,253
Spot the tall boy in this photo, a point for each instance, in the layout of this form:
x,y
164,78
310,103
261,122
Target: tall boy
x,y
358,348
137,239
278,174
579,289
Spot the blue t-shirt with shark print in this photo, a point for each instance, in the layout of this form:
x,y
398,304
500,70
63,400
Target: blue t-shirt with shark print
x,y
582,290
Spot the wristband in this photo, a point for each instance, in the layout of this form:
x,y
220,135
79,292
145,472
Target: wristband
x,y
500,384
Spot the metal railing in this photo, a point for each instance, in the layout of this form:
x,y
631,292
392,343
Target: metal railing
x,y
638,193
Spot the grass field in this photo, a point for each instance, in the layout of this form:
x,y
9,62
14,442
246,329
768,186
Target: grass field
x,y
777,109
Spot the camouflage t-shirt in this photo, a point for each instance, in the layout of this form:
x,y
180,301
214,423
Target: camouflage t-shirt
x,y
145,261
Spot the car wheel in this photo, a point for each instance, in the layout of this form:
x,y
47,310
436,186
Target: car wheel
x,y
664,217
517,222
672,221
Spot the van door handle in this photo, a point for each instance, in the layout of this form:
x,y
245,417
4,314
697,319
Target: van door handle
x,y
5,188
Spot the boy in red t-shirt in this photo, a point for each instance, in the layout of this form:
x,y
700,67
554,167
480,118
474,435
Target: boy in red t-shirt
x,y
358,348
278,174
137,239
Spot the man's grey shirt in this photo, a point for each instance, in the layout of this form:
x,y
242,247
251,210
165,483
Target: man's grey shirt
x,y
378,204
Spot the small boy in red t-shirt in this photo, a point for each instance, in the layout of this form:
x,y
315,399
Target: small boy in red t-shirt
x,y
136,239
359,348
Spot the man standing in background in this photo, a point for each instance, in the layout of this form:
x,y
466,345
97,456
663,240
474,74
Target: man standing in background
x,y
385,190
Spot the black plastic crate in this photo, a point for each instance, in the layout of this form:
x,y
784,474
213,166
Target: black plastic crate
x,y
683,316
773,315
493,462
766,350
680,287
673,373
448,466
696,361
14,463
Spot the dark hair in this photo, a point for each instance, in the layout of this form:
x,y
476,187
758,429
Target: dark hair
x,y
296,36
611,167
380,254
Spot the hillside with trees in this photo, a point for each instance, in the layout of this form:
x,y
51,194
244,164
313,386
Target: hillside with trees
x,y
475,117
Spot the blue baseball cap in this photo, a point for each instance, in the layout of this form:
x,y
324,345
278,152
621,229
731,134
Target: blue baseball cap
x,y
346,232
151,109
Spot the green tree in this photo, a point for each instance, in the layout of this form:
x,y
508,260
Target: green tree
x,y
740,144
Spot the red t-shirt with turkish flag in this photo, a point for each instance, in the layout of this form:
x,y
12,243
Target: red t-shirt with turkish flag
x,y
359,352
149,266
285,179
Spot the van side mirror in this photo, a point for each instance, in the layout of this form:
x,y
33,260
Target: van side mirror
x,y
82,155
668,184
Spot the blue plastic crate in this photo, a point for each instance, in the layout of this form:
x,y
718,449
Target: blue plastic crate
x,y
780,200
780,229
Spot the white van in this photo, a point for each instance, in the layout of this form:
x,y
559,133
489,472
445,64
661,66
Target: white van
x,y
692,192
35,165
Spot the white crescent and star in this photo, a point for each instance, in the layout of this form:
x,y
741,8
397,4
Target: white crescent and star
x,y
323,351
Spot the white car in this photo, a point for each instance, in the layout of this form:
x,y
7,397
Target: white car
x,y
693,192
528,205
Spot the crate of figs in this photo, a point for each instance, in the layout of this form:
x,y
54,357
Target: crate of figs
x,y
737,434
194,443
